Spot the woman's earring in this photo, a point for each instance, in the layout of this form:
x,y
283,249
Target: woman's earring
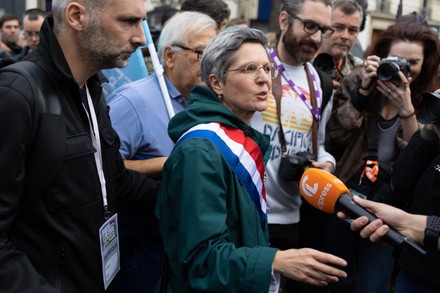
x,y
220,97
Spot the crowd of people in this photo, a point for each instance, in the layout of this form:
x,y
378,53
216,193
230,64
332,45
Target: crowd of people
x,y
108,193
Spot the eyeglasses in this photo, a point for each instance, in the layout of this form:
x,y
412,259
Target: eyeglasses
x,y
198,52
352,30
252,70
311,27
30,34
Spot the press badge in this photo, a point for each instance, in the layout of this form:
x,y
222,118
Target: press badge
x,y
109,240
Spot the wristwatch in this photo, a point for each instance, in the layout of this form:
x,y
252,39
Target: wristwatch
x,y
432,232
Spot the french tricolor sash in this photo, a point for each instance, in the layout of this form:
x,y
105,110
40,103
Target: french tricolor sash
x,y
243,156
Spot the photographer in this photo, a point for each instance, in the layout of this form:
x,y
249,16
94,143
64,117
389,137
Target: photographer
x,y
334,55
416,178
373,118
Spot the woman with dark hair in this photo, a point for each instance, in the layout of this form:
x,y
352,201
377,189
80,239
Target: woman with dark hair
x,y
413,33
374,117
400,66
416,178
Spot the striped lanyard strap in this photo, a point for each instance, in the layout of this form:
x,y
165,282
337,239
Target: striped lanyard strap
x,y
315,112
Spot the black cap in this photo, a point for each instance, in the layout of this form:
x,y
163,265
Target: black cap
x,y
429,108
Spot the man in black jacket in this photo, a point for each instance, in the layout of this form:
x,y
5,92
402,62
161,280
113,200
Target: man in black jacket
x,y
54,241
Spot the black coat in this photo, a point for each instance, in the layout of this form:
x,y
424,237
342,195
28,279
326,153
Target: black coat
x,y
416,180
53,244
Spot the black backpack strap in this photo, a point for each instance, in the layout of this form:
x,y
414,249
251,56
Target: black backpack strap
x,y
326,86
48,134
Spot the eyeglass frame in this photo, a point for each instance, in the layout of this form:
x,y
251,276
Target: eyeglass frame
x,y
323,29
30,34
243,70
196,51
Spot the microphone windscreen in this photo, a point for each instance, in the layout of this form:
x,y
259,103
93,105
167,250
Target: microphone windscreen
x,y
321,189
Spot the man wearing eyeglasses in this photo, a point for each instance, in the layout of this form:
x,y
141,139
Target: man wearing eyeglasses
x,y
32,21
9,31
139,116
301,122
347,16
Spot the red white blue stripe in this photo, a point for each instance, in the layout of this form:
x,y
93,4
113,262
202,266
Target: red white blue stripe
x,y
243,155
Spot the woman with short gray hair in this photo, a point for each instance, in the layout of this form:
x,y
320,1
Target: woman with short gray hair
x,y
212,206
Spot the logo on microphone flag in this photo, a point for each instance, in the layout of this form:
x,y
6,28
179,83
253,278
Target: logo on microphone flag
x,y
321,189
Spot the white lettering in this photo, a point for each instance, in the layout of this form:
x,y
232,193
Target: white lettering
x,y
321,200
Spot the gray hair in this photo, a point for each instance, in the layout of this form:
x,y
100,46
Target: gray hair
x,y
295,6
95,7
348,7
220,52
180,28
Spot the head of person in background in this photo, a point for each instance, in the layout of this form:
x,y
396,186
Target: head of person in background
x,y
157,19
418,45
216,9
303,26
32,21
413,16
346,21
238,69
241,22
180,53
10,33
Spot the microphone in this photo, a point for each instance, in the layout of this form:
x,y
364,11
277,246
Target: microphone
x,y
327,193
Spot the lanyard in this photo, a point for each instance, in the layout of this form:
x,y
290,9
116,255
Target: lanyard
x,y
316,113
94,134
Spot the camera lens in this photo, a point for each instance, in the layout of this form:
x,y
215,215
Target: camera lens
x,y
325,63
387,71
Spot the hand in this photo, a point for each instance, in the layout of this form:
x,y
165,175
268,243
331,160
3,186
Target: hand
x,y
336,84
326,166
309,266
369,72
398,219
398,93
151,167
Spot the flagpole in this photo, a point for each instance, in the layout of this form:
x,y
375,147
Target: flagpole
x,y
158,69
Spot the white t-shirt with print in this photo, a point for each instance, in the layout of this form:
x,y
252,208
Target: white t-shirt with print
x,y
283,197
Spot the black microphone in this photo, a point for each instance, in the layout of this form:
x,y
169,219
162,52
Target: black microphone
x,y
327,193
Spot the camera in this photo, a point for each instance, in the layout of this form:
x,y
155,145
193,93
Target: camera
x,y
325,63
389,67
292,167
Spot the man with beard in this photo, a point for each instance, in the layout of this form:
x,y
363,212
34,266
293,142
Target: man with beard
x,y
65,238
9,32
296,127
346,21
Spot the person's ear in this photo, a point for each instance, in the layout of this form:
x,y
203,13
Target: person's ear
x,y
75,16
283,20
216,84
168,57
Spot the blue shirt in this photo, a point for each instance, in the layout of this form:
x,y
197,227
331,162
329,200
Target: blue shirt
x,y
139,116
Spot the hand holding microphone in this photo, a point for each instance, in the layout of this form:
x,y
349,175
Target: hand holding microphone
x,y
409,225
327,193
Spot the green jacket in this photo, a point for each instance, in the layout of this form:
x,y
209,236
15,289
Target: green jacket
x,y
210,227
